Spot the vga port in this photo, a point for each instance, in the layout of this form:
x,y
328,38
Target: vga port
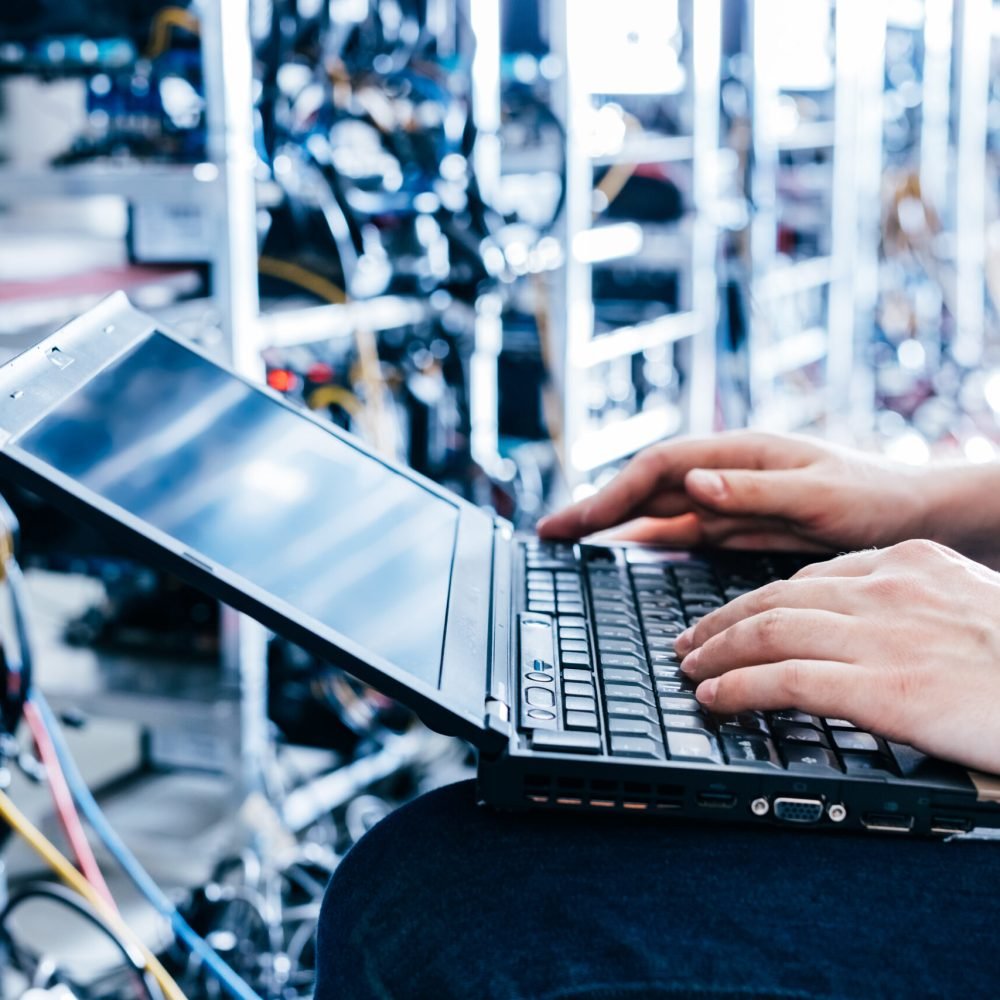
x,y
798,810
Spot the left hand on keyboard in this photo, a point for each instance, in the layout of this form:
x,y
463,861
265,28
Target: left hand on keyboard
x,y
903,641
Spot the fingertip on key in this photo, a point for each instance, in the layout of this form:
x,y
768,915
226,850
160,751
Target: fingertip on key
x,y
684,642
707,691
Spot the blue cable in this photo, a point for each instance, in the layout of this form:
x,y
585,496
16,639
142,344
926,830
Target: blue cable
x,y
229,980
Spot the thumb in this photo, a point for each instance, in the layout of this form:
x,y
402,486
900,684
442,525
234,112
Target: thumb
x,y
745,493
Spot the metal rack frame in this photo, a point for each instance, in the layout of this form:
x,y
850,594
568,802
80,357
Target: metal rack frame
x,y
854,139
576,347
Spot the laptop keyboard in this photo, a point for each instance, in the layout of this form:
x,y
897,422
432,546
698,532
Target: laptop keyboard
x,y
618,689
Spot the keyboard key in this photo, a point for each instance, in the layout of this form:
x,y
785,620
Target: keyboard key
x,y
811,759
692,746
666,644
744,722
576,674
621,660
632,710
604,618
798,734
660,656
633,727
572,622
616,632
577,659
623,675
854,740
693,721
570,608
559,741
576,634
679,703
542,607
616,605
868,765
581,720
619,646
573,646
576,703
539,697
576,689
672,686
840,724
753,751
795,718
636,746
629,692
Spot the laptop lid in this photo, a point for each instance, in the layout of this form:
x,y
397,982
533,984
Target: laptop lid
x,y
265,507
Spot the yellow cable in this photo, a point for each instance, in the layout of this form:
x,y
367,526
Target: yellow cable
x,y
47,851
164,21
328,395
296,274
368,358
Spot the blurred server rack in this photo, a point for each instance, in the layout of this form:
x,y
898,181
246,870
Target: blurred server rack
x,y
935,331
815,95
639,101
219,187
226,186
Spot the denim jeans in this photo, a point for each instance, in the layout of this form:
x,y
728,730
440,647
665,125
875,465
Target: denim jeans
x,y
445,899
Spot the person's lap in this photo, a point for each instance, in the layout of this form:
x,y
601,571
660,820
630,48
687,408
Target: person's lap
x,y
444,899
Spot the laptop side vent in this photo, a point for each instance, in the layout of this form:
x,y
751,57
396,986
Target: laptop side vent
x,y
639,796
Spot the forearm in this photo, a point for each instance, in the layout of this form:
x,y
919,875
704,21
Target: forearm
x,y
962,509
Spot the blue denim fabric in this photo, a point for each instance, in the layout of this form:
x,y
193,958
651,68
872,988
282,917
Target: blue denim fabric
x,y
444,899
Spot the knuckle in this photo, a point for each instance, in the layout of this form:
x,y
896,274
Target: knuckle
x,y
792,682
890,588
770,623
917,549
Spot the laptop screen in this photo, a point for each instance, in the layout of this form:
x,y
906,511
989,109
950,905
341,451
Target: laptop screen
x,y
296,510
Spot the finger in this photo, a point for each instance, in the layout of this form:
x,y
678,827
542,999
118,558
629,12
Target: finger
x,y
790,494
777,635
663,468
817,595
694,529
622,499
820,687
757,541
861,563
675,532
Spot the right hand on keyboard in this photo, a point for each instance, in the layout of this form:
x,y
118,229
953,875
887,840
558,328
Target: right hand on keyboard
x,y
750,490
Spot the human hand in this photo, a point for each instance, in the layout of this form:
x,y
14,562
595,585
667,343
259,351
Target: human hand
x,y
754,491
904,642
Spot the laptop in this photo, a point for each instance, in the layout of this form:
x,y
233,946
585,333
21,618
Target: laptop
x,y
555,660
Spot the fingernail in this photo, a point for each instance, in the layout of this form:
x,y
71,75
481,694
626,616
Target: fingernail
x,y
540,526
709,483
691,662
684,641
707,691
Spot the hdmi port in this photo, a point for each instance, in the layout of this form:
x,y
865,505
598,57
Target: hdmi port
x,y
716,800
887,822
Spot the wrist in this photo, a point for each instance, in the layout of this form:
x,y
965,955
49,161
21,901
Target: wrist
x,y
961,509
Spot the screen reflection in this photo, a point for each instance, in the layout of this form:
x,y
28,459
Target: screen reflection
x,y
237,477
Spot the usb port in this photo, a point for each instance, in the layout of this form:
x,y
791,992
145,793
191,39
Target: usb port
x,y
887,822
716,800
946,825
